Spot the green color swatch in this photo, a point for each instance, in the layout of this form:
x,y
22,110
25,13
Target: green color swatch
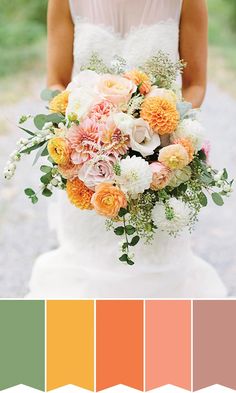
x,y
22,343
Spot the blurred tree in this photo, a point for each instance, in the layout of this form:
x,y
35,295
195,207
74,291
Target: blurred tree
x,y
232,4
22,28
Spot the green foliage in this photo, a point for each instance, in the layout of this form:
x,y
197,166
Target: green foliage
x,y
22,28
222,29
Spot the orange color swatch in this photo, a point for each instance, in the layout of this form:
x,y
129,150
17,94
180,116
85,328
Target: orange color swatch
x,y
119,343
70,343
168,343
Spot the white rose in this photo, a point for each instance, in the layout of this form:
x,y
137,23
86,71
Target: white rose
x,y
80,101
124,122
85,78
163,93
142,138
192,130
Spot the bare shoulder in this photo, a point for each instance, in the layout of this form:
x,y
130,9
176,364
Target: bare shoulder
x,y
194,11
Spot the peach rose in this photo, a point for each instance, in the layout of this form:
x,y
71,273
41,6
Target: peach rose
x,y
163,93
174,156
160,177
116,89
187,144
108,199
59,150
69,171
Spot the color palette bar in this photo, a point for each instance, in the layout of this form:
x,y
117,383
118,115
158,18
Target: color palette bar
x,y
22,337
168,344
120,344
97,345
70,344
214,343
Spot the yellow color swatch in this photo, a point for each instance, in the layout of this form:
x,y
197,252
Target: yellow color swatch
x,y
70,343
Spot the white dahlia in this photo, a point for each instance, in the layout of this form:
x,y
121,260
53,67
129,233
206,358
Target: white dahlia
x,y
135,176
191,130
173,217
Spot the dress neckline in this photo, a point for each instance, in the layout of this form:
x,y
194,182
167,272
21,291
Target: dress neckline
x,y
133,29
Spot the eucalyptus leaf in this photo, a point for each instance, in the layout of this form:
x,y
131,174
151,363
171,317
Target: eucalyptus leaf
x,y
34,199
28,131
206,178
46,192
202,199
51,160
45,168
217,198
130,262
183,108
225,174
129,229
55,118
29,192
40,120
45,151
122,212
119,231
124,258
34,147
134,241
45,179
48,95
39,153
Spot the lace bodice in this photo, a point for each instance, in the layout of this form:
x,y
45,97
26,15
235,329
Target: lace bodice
x,y
133,29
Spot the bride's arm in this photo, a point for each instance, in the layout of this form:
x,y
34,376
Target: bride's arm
x,y
60,44
193,49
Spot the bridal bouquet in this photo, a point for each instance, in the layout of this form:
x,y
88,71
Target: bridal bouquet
x,y
124,143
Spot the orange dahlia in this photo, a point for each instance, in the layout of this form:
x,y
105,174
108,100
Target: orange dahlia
x,y
161,115
78,194
186,143
59,103
140,79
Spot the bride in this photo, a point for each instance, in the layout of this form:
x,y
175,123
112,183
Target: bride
x,y
86,263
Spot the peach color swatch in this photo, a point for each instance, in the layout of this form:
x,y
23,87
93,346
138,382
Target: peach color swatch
x,y
168,343
119,343
70,343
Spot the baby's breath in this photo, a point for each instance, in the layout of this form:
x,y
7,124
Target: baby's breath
x,y
96,64
162,70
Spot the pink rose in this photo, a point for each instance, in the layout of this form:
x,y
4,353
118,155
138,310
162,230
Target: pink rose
x,y
97,171
116,89
160,176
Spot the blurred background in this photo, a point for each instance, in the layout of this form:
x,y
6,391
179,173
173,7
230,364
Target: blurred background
x,y
24,230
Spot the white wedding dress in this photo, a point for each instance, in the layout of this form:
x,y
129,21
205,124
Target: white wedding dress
x,y
86,263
